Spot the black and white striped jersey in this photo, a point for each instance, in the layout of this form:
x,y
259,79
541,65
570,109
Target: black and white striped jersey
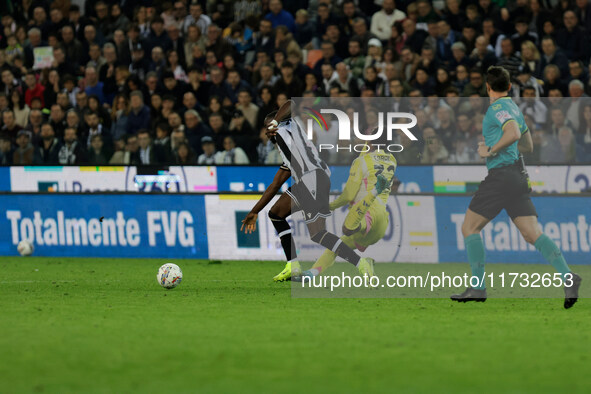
x,y
299,154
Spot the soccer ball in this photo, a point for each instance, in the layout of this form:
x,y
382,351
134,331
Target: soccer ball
x,y
25,248
169,276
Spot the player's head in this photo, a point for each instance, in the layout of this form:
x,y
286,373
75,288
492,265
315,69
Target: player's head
x,y
498,80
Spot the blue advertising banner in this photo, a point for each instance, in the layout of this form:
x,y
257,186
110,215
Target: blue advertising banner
x,y
132,225
5,179
566,220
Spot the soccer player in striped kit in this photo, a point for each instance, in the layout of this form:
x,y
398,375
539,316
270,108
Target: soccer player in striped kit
x,y
309,193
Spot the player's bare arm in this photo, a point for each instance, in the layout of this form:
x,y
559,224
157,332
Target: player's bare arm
x,y
511,134
284,112
525,144
249,222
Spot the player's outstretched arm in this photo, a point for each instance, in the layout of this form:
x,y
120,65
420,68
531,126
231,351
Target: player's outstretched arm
x,y
283,112
249,223
525,144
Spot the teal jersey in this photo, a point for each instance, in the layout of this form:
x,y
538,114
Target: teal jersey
x,y
499,114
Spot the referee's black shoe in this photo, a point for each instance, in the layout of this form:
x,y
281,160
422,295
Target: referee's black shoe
x,y
571,293
471,294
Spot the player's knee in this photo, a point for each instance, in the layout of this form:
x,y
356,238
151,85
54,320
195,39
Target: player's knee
x,y
531,235
348,231
317,236
469,229
273,215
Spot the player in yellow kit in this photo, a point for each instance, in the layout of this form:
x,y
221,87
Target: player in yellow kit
x,y
366,191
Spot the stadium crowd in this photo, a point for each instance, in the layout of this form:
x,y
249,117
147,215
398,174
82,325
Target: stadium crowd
x,y
190,82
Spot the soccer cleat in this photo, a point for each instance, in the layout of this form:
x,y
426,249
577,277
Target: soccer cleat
x,y
571,294
306,274
365,267
471,294
291,269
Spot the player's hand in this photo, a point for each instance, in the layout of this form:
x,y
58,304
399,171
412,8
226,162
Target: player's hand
x,y
249,223
272,127
483,150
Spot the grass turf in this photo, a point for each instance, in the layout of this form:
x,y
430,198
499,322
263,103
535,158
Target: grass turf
x,y
104,325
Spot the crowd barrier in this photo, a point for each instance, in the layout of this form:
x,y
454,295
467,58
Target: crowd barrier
x,y
422,229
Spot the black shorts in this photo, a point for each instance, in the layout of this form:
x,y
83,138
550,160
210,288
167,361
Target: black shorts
x,y
310,195
504,188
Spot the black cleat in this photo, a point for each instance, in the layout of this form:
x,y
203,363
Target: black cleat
x,y
571,294
470,294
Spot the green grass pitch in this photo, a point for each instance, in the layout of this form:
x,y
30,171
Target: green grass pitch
x,y
105,326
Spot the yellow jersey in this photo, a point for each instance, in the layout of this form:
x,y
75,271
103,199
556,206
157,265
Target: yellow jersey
x,y
363,176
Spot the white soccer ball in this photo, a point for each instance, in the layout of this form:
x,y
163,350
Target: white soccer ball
x,y
25,248
169,276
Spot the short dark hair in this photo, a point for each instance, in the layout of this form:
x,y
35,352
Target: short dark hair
x,y
498,78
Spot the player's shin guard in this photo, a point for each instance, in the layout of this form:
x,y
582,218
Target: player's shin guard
x,y
551,253
326,261
475,249
284,233
334,243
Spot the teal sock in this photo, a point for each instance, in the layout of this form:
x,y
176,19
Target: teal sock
x,y
475,249
551,253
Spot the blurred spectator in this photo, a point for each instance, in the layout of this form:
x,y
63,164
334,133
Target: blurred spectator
x,y
572,38
434,151
524,80
552,55
279,17
9,126
414,37
411,153
583,137
57,120
381,21
48,152
476,84
139,114
578,71
146,151
304,29
6,152
209,151
129,155
231,153
10,83
24,152
34,89
267,152
576,90
34,124
356,59
532,107
72,152
20,109
98,153
522,32
185,155
195,130
462,78
94,127
119,116
461,154
583,12
482,56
